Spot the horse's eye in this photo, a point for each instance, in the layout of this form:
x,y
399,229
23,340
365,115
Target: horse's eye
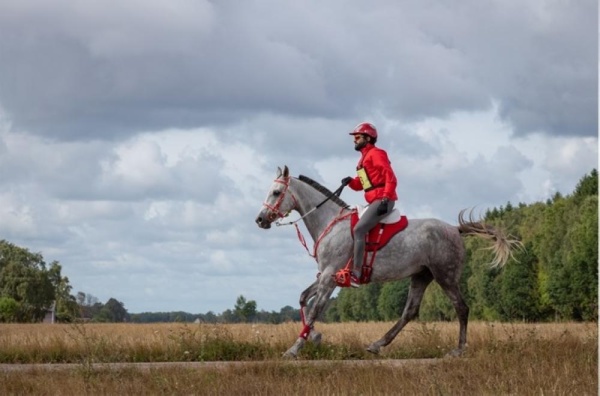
x,y
276,193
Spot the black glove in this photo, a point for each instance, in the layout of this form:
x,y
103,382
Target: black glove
x,y
346,180
383,207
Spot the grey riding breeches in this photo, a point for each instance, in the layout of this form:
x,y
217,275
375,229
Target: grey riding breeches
x,y
368,220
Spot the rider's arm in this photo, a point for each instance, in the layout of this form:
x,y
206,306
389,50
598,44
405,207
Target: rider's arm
x,y
355,184
382,162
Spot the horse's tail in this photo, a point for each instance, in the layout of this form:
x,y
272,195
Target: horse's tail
x,y
503,246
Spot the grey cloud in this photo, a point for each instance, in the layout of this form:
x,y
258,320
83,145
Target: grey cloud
x,y
480,185
198,180
76,171
538,59
138,67
440,180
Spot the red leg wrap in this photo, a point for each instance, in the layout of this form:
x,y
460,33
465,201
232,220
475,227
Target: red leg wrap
x,y
305,332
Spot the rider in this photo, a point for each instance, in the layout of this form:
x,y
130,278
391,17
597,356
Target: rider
x,y
376,177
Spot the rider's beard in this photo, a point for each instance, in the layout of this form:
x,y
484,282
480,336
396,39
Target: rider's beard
x,y
360,144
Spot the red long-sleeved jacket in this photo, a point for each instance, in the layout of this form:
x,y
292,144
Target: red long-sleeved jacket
x,y
380,173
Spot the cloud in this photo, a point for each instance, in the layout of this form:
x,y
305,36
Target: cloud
x,y
175,210
90,72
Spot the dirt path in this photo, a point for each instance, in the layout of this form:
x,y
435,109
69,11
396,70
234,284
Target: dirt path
x,y
214,365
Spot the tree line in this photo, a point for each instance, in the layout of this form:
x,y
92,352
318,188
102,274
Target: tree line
x,y
554,277
244,311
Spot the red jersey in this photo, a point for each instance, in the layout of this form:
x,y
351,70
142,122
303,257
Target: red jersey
x,y
375,175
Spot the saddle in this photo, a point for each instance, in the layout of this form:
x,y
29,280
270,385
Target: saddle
x,y
381,234
376,239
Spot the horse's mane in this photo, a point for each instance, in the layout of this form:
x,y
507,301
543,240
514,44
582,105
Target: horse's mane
x,y
323,190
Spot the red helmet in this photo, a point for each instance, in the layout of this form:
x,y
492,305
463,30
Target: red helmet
x,y
365,128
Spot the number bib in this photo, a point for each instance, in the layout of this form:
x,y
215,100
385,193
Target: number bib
x,y
364,179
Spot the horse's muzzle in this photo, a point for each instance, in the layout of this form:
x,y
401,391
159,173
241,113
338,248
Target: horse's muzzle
x,y
263,222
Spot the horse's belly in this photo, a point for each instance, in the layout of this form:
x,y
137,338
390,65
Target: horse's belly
x,y
391,264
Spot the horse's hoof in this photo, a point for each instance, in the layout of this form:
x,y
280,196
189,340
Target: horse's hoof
x,y
374,349
289,355
455,353
315,337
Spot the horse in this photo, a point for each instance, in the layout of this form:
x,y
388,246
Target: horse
x,y
426,250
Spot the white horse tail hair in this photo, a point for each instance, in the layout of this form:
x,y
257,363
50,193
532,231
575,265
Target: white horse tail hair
x,y
503,244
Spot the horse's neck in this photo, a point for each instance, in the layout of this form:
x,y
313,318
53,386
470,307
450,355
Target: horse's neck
x,y
316,222
319,220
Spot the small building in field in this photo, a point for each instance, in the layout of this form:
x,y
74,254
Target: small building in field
x,y
50,314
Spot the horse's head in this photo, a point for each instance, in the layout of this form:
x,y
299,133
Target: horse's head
x,y
279,201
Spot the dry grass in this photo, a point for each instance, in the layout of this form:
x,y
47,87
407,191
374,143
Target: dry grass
x,y
502,359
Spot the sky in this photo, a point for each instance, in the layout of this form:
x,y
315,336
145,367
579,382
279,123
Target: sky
x,y
138,140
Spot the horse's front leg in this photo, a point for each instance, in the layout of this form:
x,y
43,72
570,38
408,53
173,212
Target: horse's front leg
x,y
322,288
305,297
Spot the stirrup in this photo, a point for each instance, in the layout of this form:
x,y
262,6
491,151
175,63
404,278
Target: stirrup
x,y
354,281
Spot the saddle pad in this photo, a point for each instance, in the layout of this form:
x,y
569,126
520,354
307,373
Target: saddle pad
x,y
392,217
389,230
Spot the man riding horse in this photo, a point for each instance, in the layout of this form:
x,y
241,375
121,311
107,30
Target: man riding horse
x,y
376,178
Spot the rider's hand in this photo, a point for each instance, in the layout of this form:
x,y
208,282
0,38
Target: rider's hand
x,y
383,207
346,180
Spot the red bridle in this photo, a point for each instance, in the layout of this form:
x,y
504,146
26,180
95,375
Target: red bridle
x,y
275,208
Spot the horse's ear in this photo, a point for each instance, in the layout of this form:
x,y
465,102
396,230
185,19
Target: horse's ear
x,y
286,171
278,173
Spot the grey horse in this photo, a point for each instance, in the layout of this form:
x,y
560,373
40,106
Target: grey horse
x,y
427,250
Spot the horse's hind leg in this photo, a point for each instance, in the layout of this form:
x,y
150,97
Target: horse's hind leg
x,y
452,290
418,285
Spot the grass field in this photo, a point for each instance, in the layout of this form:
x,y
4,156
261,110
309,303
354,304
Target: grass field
x,y
523,359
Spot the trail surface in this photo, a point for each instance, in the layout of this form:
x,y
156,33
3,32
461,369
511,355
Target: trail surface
x,y
213,365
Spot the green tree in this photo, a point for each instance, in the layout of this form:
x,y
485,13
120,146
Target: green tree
x,y
436,306
550,250
67,309
569,254
9,309
344,304
113,312
210,317
23,277
365,307
482,281
89,305
228,316
359,305
245,310
587,186
581,260
392,299
332,315
518,289
288,313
